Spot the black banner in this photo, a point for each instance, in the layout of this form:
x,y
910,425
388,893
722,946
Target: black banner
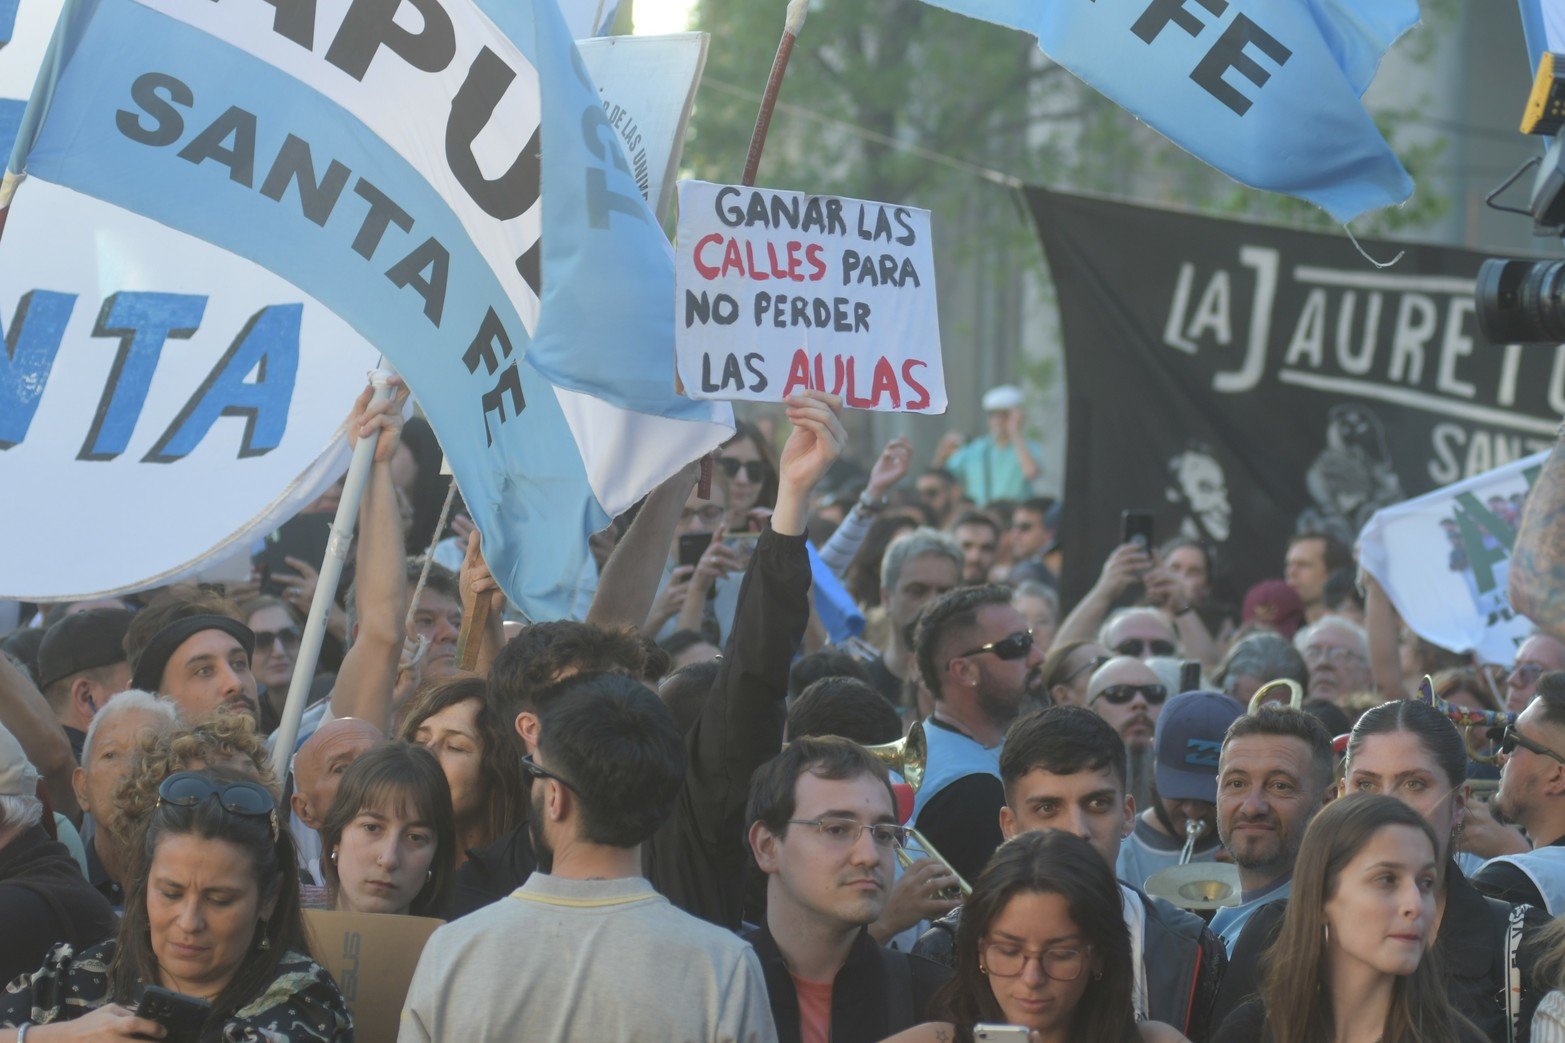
x,y
1245,381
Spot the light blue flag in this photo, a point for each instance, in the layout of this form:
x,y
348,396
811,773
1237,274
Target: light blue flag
x,y
833,604
1543,25
455,194
1270,94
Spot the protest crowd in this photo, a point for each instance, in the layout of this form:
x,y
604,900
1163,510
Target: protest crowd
x,y
1171,810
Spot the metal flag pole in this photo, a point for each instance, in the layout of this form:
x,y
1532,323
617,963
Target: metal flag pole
x,y
326,587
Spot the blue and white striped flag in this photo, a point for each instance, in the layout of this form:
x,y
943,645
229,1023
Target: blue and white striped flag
x,y
1543,24
1267,93
453,192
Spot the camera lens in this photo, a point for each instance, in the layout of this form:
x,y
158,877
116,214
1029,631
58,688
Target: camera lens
x,y
1521,302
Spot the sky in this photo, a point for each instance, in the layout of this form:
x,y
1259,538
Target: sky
x,y
661,16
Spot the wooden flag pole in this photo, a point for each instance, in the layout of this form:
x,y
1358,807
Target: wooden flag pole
x,y
792,23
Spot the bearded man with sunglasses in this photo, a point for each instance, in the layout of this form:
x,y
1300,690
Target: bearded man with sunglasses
x,y
978,658
1127,694
1532,794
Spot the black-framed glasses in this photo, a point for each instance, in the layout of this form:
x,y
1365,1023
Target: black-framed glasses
x,y
844,832
1139,647
188,789
1004,960
1090,665
538,771
1011,646
1120,694
1511,738
754,470
265,639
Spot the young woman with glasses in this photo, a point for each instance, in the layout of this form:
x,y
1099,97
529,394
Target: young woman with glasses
x,y
1043,945
1352,960
213,914
388,838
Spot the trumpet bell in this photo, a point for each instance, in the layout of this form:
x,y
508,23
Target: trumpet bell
x,y
1199,885
906,756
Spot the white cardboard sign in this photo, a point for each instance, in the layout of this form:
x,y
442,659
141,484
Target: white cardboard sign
x,y
780,291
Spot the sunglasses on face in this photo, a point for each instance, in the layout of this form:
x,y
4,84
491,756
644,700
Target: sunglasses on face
x,y
1012,646
1120,694
1511,738
265,639
1524,675
1090,666
538,771
754,470
188,789
1137,647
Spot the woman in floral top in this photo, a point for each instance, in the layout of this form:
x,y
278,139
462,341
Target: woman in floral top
x,y
214,914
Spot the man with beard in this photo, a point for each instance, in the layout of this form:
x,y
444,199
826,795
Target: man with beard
x,y
1336,651
1273,774
1189,737
1064,769
1532,794
607,767
978,534
201,662
824,831
1127,694
978,659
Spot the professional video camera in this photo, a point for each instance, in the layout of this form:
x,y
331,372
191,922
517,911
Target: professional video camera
x,y
1524,301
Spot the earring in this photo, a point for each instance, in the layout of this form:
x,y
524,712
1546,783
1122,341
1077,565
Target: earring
x,y
266,943
429,874
334,858
982,969
1327,927
1098,976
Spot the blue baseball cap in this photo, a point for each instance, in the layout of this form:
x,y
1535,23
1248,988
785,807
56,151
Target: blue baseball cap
x,y
1189,738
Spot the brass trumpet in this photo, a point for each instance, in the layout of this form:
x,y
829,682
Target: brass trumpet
x,y
1205,885
907,757
1465,717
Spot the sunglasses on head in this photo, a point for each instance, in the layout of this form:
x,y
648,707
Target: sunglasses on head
x,y
1090,666
188,789
1510,738
754,470
1137,647
1012,646
1120,694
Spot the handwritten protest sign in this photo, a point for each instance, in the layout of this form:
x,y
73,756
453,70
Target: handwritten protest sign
x,y
779,292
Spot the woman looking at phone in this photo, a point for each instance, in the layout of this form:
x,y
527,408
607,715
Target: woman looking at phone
x,y
1042,946
212,914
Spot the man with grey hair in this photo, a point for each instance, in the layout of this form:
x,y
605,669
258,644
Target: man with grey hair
x,y
113,736
1336,651
1256,660
43,898
917,567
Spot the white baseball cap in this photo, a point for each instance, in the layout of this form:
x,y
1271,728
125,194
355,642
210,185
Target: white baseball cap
x,y
1006,396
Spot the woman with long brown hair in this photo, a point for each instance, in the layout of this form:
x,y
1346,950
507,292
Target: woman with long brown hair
x,y
1352,962
452,718
1042,945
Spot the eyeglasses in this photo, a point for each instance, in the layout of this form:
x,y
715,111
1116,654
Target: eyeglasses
x,y
188,789
1525,675
1315,655
844,832
538,771
1120,694
1511,738
1090,665
289,636
1011,646
1003,960
754,470
1137,647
